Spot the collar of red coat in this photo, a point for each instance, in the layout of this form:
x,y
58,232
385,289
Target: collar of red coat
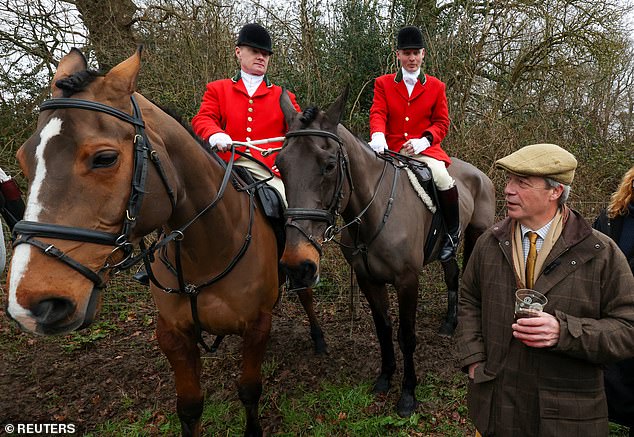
x,y
422,78
238,76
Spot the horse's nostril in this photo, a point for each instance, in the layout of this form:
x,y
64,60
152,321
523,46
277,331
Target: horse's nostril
x,y
308,270
53,310
301,275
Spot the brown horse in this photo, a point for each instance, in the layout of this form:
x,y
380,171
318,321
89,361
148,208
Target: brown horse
x,y
328,172
106,167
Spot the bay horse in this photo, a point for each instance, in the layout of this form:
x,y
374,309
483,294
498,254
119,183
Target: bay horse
x,y
328,172
106,167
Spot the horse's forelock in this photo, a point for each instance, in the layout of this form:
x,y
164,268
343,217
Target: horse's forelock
x,y
77,82
309,115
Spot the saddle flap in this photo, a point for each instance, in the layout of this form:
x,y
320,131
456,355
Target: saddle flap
x,y
425,179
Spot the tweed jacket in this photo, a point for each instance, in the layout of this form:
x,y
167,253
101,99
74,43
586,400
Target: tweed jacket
x,y
402,117
227,107
523,391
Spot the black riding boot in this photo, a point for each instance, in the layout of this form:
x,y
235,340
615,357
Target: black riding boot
x,y
142,277
450,208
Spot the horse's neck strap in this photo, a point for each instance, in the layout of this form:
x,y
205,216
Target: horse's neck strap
x,y
68,103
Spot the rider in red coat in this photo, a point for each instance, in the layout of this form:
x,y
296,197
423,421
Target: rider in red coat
x,y
245,107
409,115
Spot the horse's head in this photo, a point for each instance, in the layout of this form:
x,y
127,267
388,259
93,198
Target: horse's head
x,y
80,215
314,167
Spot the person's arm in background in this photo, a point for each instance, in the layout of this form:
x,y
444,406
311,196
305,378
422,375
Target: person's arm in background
x,y
378,118
12,206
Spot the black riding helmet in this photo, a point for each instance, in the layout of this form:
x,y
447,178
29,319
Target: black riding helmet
x,y
256,36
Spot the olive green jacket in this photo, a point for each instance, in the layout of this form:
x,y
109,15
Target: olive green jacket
x,y
558,391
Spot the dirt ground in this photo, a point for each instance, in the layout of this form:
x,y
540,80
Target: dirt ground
x,y
45,380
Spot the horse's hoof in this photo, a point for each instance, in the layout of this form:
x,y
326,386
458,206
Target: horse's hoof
x,y
382,385
406,405
321,348
446,330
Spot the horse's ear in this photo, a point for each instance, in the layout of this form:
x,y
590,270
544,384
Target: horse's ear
x,y
288,109
123,77
70,64
335,111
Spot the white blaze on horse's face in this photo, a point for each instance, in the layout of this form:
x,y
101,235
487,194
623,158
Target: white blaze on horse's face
x,y
22,253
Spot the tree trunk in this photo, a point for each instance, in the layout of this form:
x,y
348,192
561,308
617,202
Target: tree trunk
x,y
109,23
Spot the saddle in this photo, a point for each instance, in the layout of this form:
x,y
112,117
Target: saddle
x,y
426,181
270,200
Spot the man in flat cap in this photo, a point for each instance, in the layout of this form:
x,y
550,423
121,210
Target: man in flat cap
x,y
409,115
542,376
246,107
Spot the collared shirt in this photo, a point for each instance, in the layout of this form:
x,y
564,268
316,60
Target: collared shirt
x,y
410,79
541,236
251,82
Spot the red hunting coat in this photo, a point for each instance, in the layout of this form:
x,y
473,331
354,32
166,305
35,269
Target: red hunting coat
x,y
401,117
227,107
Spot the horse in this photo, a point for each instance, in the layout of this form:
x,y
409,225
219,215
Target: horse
x,y
330,173
107,167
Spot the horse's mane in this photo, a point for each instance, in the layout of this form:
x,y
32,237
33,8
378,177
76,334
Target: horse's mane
x,y
77,82
309,115
179,118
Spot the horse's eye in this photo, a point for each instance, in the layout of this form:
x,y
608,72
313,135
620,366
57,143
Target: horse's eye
x,y
104,159
329,167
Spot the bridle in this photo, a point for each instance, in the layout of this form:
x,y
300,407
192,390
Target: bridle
x,y
25,232
334,210
330,214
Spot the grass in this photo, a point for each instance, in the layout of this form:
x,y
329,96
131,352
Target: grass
x,y
329,410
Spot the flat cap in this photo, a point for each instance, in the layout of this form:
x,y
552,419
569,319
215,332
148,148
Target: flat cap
x,y
545,160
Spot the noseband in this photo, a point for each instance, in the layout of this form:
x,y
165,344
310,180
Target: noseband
x,y
25,231
330,214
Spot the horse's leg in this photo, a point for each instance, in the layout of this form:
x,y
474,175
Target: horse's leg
x,y
451,271
183,354
407,302
452,274
255,340
377,297
471,236
306,298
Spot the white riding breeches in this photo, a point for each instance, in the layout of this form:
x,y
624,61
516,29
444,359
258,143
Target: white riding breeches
x,y
442,179
260,173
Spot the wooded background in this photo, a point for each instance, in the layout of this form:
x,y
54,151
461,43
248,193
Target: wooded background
x,y
517,72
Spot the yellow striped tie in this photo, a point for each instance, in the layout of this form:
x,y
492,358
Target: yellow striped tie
x,y
530,259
